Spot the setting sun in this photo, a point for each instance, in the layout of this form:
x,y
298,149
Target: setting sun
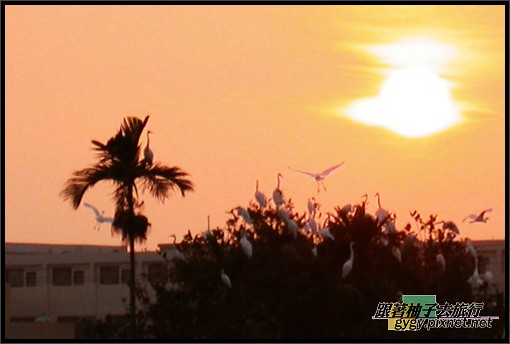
x,y
414,100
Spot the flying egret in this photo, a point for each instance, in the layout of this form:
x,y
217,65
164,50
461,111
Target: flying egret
x,y
382,214
147,152
260,197
246,245
441,261
480,217
100,218
225,279
244,214
347,267
319,177
277,193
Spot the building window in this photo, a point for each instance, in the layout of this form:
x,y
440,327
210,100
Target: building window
x,y
14,277
109,275
157,273
78,277
124,276
31,279
61,276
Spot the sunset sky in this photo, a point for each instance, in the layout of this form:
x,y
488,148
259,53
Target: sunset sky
x,y
237,94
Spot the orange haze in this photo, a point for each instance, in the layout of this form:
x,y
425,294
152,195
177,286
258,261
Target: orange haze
x,y
236,94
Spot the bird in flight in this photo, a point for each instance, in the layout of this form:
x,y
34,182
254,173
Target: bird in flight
x,y
480,217
100,218
319,177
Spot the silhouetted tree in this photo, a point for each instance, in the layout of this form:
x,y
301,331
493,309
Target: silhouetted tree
x,y
284,291
120,163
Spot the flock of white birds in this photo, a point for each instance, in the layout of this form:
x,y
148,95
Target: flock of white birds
x,y
381,214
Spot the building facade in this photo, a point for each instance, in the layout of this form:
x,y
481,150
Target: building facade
x,y
68,282
64,283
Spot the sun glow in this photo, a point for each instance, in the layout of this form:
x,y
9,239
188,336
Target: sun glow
x,y
414,100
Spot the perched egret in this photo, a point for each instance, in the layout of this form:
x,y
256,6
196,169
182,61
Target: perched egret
x,y
259,196
441,261
225,279
475,281
283,214
472,251
346,209
292,227
147,152
100,218
449,225
277,193
325,233
312,206
314,251
396,253
313,226
319,177
487,277
346,269
480,217
176,254
244,214
246,245
382,214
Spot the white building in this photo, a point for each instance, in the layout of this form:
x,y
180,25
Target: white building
x,y
67,282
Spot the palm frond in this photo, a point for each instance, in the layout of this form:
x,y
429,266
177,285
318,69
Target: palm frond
x,y
82,180
159,180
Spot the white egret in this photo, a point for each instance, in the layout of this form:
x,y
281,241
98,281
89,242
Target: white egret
x,y
441,261
325,233
480,217
312,206
319,177
283,214
487,277
475,281
260,197
100,218
147,152
176,254
396,253
246,245
244,214
313,226
225,279
472,251
449,225
346,209
277,193
314,251
382,214
292,227
347,267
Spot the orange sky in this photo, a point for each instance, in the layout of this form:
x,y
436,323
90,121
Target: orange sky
x,y
236,94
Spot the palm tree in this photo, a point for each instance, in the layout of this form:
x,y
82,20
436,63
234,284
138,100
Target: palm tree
x,y
120,163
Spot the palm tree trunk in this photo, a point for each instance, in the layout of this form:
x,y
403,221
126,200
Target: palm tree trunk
x,y
132,288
